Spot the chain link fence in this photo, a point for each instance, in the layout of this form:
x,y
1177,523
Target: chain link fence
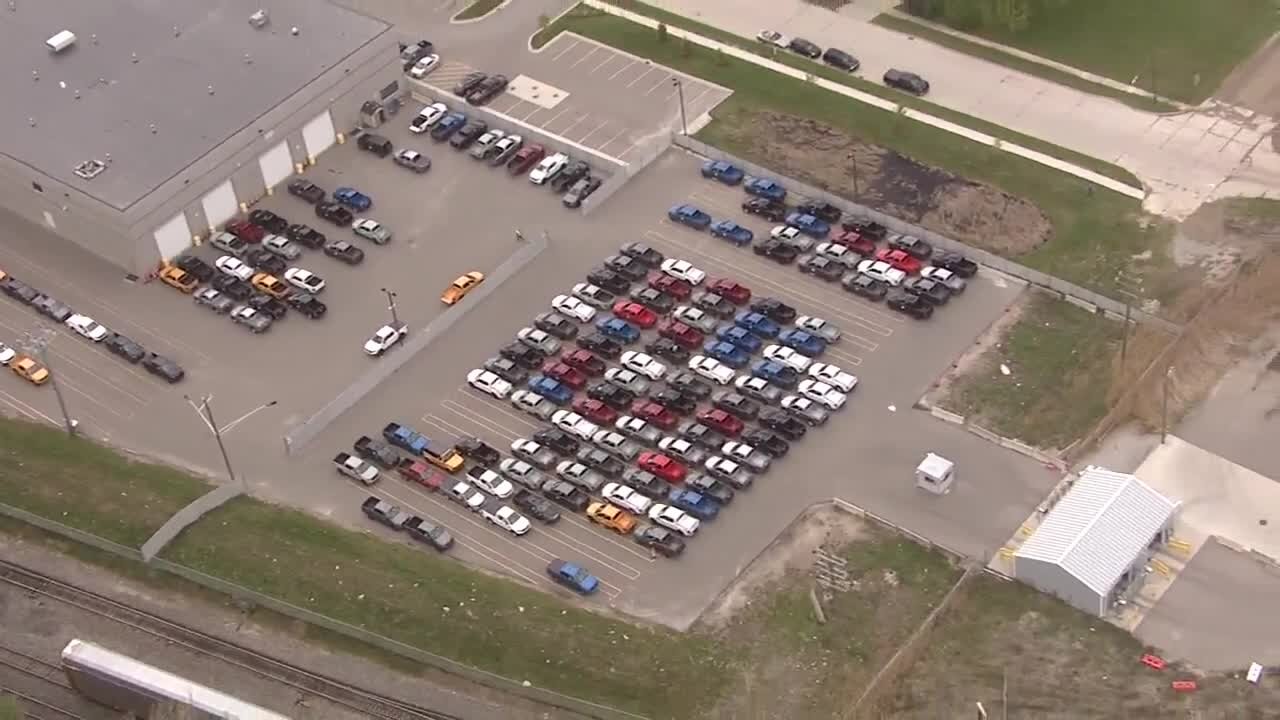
x,y
1083,297
245,595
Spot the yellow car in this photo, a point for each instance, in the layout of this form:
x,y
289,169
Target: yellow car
x,y
30,370
271,285
612,517
176,277
460,287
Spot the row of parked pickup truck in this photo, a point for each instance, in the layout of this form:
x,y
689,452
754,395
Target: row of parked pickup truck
x,y
371,454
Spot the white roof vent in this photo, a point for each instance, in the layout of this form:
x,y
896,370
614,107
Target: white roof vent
x,y
90,169
259,19
61,41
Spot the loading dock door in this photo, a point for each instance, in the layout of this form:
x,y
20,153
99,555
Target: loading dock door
x,y
173,237
220,204
276,165
318,134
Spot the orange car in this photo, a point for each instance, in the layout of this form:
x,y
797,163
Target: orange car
x,y
460,287
27,368
271,285
612,517
176,277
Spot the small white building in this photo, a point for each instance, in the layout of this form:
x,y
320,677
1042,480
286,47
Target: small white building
x,y
1096,540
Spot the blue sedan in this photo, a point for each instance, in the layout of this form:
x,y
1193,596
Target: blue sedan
x,y
741,337
727,353
805,343
766,188
353,199
691,216
618,329
574,577
757,323
551,389
694,503
809,225
724,172
733,232
776,373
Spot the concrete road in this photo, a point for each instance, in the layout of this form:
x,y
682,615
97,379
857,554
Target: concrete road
x,y
1182,158
1215,614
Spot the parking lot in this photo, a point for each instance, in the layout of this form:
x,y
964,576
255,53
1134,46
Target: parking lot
x,y
460,216
593,95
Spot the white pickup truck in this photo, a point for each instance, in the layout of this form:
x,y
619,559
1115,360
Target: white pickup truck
x,y
355,468
384,339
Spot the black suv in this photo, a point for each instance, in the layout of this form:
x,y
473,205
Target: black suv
x,y
507,369
615,397
783,424
674,400
770,210
654,299
557,440
644,253
469,83
776,250
689,385
202,270
570,496
601,345
840,59
487,89
737,404
269,221
866,286
906,81
124,347
824,211
522,354
627,266
775,310
307,305
553,323
800,46
913,305
873,231
668,349
574,172
163,367
601,461
334,213
477,451
956,263
306,236
609,280
265,261
375,143
471,132
913,246
306,190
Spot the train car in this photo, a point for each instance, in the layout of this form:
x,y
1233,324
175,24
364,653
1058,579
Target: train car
x,y
125,684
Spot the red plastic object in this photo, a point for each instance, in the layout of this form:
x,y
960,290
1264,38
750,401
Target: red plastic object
x,y
1183,685
1153,662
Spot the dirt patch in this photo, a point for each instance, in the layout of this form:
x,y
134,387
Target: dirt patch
x,y
978,215
970,359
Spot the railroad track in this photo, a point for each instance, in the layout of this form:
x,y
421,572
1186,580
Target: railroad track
x,y
40,685
334,691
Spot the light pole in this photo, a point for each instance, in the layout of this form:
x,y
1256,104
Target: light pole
x,y
1164,404
38,343
391,305
853,157
207,411
1130,297
684,121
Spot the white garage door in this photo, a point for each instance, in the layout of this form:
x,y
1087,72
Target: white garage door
x,y
318,134
276,165
220,205
173,237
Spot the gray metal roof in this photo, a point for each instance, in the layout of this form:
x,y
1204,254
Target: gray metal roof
x,y
1097,529
182,47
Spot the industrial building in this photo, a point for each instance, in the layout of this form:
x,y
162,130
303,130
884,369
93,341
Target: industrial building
x,y
1096,541
134,128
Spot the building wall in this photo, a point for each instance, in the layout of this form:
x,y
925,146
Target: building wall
x,y
126,239
1051,579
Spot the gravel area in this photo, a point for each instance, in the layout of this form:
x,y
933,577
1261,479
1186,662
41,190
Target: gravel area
x,y
41,627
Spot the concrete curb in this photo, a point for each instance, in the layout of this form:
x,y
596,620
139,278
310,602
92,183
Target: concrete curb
x,y
385,367
529,44
455,21
879,102
187,516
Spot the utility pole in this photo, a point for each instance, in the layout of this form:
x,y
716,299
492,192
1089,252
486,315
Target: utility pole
x,y
684,121
207,411
1131,296
853,157
37,343
1164,404
391,305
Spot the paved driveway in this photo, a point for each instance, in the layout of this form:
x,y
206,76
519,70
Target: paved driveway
x,y
1183,158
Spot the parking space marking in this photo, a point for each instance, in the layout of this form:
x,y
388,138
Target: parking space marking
x,y
613,139
694,101
450,429
611,57
508,108
713,203
26,409
559,55
641,76
583,139
856,339
535,111
572,125
466,402
468,419
658,85
843,356
590,52
555,117
581,546
622,69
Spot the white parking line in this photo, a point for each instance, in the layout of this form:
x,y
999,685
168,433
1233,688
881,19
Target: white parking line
x,y
583,139
612,139
535,111
622,69
579,521
713,203
855,339
505,436
26,409
641,76
571,46
693,102
493,405
580,546
590,52
96,375
658,85
572,125
450,429
475,416
507,110
555,117
844,357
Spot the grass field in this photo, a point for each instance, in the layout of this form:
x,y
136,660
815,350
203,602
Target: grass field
x,y
1181,49
575,20
908,27
478,9
1094,232
87,486
1060,360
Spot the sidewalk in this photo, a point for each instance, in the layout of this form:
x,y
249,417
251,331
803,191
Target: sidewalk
x,y
1182,158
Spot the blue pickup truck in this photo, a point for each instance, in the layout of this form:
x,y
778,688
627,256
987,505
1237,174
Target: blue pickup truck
x,y
406,438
